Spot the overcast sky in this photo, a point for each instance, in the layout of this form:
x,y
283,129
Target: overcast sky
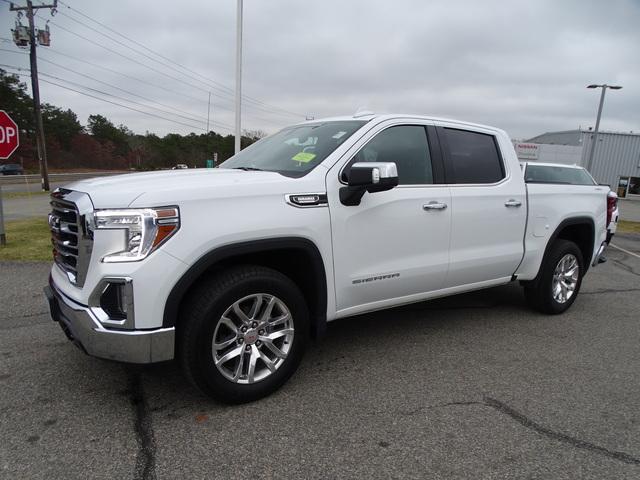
x,y
519,65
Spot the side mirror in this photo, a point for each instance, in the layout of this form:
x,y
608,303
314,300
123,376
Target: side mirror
x,y
368,177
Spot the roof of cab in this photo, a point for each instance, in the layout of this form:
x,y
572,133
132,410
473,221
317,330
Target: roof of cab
x,y
366,116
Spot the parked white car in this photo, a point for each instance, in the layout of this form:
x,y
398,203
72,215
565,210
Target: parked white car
x,y
232,269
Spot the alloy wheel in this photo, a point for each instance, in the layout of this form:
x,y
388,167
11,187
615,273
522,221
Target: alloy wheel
x,y
253,338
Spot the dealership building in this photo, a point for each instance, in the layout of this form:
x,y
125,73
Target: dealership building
x,y
616,160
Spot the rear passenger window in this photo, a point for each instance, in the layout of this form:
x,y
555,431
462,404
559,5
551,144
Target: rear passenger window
x,y
473,157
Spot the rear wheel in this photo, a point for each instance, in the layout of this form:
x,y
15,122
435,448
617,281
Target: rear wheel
x,y
243,333
559,281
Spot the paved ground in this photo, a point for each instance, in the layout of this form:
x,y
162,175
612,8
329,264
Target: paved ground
x,y
475,386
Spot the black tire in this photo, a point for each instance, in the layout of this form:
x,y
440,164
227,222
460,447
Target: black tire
x,y
202,312
539,292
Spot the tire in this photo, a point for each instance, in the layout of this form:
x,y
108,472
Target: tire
x,y
540,293
219,370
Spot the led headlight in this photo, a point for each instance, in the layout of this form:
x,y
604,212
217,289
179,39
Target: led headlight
x,y
145,230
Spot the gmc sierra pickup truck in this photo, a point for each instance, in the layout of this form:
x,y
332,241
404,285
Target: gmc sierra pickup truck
x,y
231,270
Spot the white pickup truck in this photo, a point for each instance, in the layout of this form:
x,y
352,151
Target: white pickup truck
x,y
231,270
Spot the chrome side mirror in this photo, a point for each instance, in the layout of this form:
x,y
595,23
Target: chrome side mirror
x,y
368,177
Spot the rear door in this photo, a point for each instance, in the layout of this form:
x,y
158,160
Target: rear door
x,y
488,205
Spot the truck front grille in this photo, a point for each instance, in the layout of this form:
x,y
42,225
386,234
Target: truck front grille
x,y
71,233
63,222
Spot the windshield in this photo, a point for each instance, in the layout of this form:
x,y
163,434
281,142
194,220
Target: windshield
x,y
294,151
553,174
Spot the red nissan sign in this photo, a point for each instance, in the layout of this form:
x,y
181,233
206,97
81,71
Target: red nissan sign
x,y
9,140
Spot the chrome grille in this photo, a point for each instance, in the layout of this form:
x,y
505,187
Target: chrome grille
x,y
63,222
71,233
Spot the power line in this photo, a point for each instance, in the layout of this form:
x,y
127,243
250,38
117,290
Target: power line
x,y
106,27
131,77
172,91
127,99
114,103
172,64
126,56
128,92
118,88
192,117
137,62
115,40
157,61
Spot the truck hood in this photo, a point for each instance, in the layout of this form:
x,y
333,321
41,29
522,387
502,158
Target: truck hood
x,y
170,186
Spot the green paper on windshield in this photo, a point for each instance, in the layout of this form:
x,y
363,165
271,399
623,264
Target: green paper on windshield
x,y
304,157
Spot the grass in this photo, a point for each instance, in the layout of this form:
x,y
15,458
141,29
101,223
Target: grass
x,y
628,227
27,240
11,195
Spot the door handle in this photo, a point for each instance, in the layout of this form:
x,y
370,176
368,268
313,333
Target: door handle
x,y
512,203
434,206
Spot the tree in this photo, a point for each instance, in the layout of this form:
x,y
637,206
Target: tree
x,y
104,131
254,135
15,100
61,124
105,145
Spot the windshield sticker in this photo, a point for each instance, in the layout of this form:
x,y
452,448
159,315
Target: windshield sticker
x,y
339,135
304,157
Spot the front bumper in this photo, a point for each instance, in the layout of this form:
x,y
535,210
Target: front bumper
x,y
83,328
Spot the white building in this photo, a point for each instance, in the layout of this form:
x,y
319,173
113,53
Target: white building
x,y
616,161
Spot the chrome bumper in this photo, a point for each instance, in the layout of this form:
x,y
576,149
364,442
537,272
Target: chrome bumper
x,y
83,329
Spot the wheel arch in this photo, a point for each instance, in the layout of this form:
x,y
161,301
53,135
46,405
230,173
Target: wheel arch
x,y
580,230
296,257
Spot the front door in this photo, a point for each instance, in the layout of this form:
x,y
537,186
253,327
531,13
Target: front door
x,y
394,246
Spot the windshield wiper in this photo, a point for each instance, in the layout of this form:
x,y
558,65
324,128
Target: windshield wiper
x,y
248,169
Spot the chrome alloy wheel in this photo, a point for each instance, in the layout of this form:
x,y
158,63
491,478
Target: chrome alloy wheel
x,y
565,278
253,338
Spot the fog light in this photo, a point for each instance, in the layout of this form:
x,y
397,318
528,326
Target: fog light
x,y
112,302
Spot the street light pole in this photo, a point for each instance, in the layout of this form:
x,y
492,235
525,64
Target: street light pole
x,y
238,76
594,137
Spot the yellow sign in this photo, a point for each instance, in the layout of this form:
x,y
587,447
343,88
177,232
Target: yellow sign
x,y
304,157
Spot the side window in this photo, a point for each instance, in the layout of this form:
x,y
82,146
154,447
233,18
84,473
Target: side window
x,y
407,147
473,157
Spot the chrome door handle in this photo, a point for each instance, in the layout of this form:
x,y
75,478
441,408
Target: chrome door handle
x,y
512,203
434,206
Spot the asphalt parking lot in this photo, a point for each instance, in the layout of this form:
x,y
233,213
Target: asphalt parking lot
x,y
474,386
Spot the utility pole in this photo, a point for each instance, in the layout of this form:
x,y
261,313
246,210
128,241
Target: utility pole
x,y
40,141
594,137
208,111
238,132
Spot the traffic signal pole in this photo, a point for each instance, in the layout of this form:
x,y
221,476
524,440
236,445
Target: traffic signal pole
x,y
35,88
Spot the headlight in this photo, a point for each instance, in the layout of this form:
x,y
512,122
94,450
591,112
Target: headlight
x,y
145,230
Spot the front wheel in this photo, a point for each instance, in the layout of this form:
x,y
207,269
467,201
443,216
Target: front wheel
x,y
243,333
559,281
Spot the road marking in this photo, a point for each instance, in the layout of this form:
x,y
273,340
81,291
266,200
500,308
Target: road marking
x,y
625,251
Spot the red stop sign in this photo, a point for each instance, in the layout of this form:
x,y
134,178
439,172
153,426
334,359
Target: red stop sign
x,y
9,138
